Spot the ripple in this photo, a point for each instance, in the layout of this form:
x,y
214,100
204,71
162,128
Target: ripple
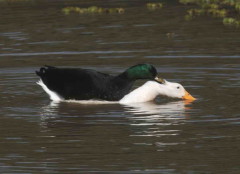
x,y
111,26
47,42
195,56
108,57
71,53
15,35
144,25
118,43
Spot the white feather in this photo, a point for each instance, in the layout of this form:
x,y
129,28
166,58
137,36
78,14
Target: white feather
x,y
146,92
91,102
53,95
151,89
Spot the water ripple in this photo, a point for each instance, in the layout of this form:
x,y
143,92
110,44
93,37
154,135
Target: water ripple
x,y
15,35
195,56
72,53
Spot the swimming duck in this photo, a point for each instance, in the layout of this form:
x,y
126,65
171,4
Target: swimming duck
x,y
86,84
65,84
151,89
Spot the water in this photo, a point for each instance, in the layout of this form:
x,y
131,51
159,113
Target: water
x,y
166,136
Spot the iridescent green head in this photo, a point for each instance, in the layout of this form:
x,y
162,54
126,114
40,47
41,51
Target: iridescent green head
x,y
141,71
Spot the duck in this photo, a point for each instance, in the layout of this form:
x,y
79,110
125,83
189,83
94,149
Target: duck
x,y
63,84
151,89
87,84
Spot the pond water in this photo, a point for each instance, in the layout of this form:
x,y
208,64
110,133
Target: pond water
x,y
165,136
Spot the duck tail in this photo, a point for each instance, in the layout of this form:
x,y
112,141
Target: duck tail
x,y
43,70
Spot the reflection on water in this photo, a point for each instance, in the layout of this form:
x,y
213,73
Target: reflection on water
x,y
170,109
152,117
156,117
148,112
48,112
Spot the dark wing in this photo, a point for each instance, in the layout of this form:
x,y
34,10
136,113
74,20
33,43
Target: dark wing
x,y
79,84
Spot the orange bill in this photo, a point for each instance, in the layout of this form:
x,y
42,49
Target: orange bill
x,y
188,96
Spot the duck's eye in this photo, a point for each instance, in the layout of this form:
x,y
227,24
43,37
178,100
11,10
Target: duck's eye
x,y
178,87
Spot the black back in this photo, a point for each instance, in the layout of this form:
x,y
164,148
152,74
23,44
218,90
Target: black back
x,y
84,84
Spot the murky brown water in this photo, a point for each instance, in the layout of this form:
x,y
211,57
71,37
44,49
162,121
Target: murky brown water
x,y
164,137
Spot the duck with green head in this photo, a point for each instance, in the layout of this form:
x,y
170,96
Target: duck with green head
x,y
86,84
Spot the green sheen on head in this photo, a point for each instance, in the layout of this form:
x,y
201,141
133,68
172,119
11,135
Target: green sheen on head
x,y
141,71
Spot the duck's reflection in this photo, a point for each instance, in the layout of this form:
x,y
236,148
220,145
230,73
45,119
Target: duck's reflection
x,y
49,112
157,119
147,112
140,124
150,108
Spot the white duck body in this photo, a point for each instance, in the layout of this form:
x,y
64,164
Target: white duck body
x,y
151,89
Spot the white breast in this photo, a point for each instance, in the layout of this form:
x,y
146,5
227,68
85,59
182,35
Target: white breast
x,y
144,93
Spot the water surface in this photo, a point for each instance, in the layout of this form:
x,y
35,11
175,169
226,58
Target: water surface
x,y
165,136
